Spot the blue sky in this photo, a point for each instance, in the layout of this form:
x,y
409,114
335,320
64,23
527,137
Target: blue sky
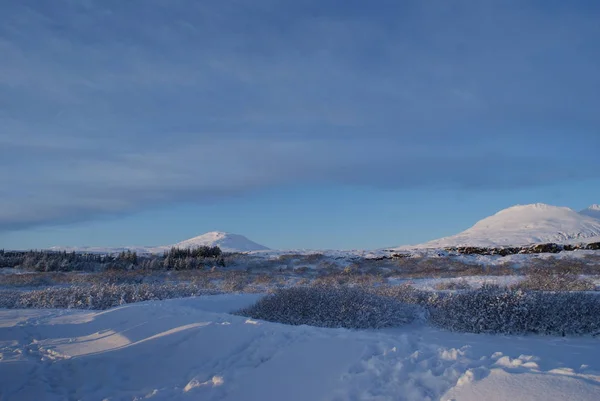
x,y
296,123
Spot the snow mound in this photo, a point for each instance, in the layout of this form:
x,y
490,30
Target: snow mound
x,y
226,241
524,225
592,211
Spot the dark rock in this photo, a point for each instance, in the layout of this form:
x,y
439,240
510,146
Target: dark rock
x,y
401,255
545,248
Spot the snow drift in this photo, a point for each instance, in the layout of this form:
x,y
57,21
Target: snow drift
x,y
192,349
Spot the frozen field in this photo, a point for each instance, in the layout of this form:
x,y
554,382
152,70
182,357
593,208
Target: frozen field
x,y
193,349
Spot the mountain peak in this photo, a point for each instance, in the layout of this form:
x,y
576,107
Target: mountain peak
x,y
592,211
212,234
228,242
524,225
534,207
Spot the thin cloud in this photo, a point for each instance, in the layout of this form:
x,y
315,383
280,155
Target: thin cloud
x,y
112,107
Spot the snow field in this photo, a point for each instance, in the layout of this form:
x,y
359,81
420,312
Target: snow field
x,y
194,349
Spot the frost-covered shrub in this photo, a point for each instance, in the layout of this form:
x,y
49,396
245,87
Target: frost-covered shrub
x,y
97,296
406,293
234,282
120,277
26,280
498,310
559,279
367,280
262,279
453,285
491,309
332,306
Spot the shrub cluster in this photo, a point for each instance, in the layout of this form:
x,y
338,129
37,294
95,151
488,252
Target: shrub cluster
x,y
97,296
492,309
339,306
565,278
453,285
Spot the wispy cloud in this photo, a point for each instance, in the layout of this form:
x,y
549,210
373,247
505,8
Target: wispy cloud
x,y
110,106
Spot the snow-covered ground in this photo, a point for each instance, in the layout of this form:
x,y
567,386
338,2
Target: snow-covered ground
x,y
193,349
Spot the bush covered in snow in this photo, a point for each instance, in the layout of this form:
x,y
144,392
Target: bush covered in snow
x,y
332,306
499,310
490,309
453,285
565,278
97,296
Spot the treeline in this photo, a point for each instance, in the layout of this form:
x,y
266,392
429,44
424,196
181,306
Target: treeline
x,y
199,252
52,261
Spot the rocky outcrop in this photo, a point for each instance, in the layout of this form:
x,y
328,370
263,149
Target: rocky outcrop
x,y
530,249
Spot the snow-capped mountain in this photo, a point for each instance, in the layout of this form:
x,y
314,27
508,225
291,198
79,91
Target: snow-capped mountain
x,y
592,211
524,225
226,241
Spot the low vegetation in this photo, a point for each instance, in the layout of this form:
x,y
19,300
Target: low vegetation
x,y
453,285
332,306
490,309
98,296
563,278
554,295
175,259
508,311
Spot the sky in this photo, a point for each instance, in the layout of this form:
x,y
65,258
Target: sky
x,y
300,124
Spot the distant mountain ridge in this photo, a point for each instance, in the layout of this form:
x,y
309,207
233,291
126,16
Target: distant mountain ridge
x,y
228,242
524,225
514,226
592,211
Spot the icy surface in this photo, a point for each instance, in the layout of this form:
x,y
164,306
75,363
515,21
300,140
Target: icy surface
x,y
191,349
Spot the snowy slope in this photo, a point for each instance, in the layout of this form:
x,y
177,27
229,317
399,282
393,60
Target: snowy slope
x,y
592,211
192,349
226,241
523,225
